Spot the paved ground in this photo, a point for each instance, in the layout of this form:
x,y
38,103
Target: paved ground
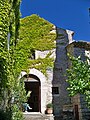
x,y
37,116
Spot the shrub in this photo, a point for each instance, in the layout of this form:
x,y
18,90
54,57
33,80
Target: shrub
x,y
5,115
49,105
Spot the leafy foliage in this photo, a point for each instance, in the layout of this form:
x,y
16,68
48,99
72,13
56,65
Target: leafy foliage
x,y
15,53
35,35
79,78
49,105
10,86
5,115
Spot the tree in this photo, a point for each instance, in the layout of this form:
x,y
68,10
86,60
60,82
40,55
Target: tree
x,y
79,78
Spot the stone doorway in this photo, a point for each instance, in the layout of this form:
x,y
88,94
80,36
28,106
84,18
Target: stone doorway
x,y
76,112
32,83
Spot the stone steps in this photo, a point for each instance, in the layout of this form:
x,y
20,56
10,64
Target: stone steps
x,y
37,116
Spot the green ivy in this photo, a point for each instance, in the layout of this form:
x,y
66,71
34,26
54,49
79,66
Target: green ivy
x,y
10,86
15,53
35,35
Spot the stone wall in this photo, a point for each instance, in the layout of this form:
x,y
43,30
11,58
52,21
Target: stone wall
x,y
61,63
43,54
64,45
64,106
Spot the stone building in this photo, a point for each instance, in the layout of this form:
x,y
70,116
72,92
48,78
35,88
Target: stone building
x,y
62,103
52,88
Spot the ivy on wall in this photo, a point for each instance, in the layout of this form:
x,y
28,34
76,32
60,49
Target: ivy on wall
x,y
35,35
16,53
12,92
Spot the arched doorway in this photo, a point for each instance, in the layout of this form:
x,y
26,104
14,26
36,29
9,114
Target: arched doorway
x,y
43,86
32,83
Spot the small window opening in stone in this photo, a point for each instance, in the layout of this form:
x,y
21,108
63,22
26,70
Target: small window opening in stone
x,y
32,56
55,90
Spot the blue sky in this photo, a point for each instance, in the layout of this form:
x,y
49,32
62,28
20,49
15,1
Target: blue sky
x,y
67,14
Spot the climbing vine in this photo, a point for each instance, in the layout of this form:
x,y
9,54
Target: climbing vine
x,y
11,89
35,35
16,54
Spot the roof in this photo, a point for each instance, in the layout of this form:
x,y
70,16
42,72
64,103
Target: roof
x,y
81,44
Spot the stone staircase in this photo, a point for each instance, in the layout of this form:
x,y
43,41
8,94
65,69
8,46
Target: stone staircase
x,y
37,116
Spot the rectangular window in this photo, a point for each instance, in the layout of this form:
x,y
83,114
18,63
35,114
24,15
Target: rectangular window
x,y
55,90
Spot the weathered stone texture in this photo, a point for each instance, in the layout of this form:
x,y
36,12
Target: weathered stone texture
x,y
59,78
43,54
64,106
64,45
79,52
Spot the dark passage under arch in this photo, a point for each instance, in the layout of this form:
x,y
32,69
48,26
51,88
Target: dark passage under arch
x,y
32,83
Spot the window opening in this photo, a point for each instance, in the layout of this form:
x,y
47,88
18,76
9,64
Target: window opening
x,y
55,90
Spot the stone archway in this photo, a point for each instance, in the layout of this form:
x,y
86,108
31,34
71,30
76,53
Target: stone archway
x,y
43,87
32,83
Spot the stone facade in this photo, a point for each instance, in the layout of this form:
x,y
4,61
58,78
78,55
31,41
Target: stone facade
x,y
65,45
64,106
64,37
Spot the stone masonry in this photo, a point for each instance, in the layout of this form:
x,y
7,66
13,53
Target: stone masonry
x,y
64,106
62,103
